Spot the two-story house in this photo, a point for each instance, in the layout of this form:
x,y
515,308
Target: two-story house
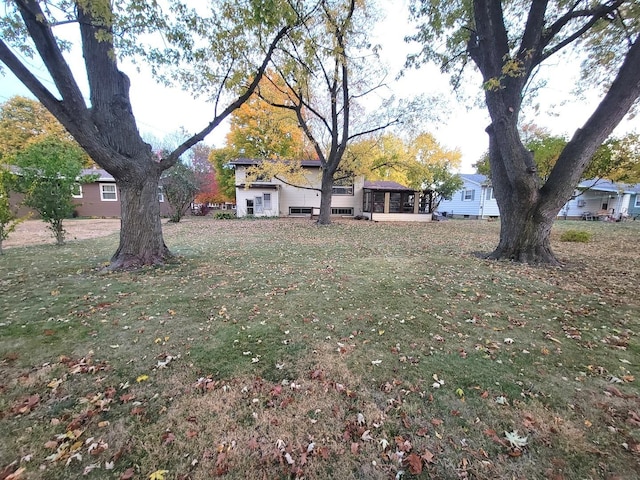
x,y
273,197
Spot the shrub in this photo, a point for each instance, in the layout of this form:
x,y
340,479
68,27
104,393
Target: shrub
x,y
224,216
575,236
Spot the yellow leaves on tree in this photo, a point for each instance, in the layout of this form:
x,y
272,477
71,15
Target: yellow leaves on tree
x,y
259,130
24,121
413,163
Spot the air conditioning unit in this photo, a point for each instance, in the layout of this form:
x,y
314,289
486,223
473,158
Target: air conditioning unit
x,y
581,203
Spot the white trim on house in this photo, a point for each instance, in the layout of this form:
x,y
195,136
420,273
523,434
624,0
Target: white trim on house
x,y
108,195
273,197
474,200
78,189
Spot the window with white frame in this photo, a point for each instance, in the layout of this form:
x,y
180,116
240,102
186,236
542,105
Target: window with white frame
x,y
637,204
76,191
267,201
108,192
468,194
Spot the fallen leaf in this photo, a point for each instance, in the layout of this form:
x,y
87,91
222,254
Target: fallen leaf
x,y
158,475
415,463
427,456
168,438
366,436
17,475
354,447
633,419
515,440
142,378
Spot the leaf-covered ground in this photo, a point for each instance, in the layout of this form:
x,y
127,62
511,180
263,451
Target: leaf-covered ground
x,y
281,349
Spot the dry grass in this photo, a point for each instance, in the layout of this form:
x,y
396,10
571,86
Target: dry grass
x,y
279,349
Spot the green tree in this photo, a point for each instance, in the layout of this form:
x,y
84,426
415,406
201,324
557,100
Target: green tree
x,y
24,120
225,174
9,219
327,71
226,41
180,186
508,41
419,162
616,159
49,173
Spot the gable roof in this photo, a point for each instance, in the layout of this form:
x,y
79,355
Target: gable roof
x,y
104,176
476,178
603,185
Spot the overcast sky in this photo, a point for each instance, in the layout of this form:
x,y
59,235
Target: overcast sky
x,y
161,111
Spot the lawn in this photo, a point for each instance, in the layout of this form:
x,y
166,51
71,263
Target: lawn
x,y
281,349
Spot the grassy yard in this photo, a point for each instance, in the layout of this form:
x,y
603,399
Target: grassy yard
x,y
279,349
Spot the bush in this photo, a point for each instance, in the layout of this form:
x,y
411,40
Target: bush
x,y
224,216
575,236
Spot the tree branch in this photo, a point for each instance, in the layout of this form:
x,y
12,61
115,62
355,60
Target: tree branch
x,y
172,158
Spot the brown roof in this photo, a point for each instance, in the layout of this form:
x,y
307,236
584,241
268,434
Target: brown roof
x,y
385,185
257,161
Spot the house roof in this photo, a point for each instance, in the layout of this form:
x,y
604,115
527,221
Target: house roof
x,y
602,185
104,175
385,185
257,161
476,178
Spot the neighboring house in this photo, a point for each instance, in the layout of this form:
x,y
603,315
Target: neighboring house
x,y
271,197
592,199
634,202
100,198
474,200
602,198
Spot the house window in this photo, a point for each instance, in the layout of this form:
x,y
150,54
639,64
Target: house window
x,y
342,211
395,202
467,195
378,202
605,205
408,201
637,204
300,210
257,203
108,192
249,206
76,191
342,186
267,201
366,202
160,194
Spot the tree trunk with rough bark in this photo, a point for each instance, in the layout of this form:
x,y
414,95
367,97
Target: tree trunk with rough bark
x,y
141,239
325,197
105,126
528,206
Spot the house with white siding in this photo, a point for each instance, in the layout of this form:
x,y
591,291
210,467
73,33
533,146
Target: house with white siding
x,y
475,199
274,197
600,199
595,199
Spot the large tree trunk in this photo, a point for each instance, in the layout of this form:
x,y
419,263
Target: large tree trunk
x,y
141,239
325,197
525,226
524,234
528,207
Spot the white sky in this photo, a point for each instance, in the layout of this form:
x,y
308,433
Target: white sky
x,y
161,111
